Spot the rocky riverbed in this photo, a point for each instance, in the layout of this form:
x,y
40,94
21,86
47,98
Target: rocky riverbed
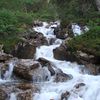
x,y
41,68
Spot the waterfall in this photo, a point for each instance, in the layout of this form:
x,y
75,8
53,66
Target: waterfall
x,y
8,73
81,86
13,96
51,90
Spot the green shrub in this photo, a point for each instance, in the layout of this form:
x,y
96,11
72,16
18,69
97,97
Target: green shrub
x,y
88,42
8,21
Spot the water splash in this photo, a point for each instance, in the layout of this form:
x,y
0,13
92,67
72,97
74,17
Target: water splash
x,y
13,96
8,73
51,90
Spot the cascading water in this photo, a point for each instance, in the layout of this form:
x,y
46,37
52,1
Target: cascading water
x,y
81,86
8,73
90,90
13,96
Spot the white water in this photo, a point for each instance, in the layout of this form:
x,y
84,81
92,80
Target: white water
x,y
77,29
8,73
13,96
51,90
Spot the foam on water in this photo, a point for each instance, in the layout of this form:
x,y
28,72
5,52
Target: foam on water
x,y
8,73
13,96
52,90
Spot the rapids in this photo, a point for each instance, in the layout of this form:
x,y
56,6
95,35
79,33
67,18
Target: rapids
x,y
51,90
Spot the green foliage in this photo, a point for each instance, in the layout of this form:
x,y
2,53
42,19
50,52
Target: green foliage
x,y
71,10
9,43
16,16
88,42
7,21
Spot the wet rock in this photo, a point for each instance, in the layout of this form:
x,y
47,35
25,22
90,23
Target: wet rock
x,y
60,33
37,23
27,86
25,51
23,70
93,69
41,74
3,68
42,40
4,57
52,71
85,57
61,53
79,85
38,39
22,91
65,96
52,40
62,77
32,72
3,94
43,61
27,95
46,63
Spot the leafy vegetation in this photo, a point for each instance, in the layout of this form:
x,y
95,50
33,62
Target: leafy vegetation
x,y
88,42
16,16
76,10
82,12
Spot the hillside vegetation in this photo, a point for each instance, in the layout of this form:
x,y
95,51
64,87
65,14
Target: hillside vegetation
x,y
83,12
16,16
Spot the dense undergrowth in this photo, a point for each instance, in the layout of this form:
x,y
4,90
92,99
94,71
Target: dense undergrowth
x,y
88,42
17,16
83,12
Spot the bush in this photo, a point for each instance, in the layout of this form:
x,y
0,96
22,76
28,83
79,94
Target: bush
x,y
88,42
8,21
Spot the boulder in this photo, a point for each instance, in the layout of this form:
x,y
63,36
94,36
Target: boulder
x,y
22,91
61,53
60,33
3,68
52,40
79,85
65,96
3,94
39,39
5,57
62,77
23,70
27,95
47,64
35,38
32,72
93,69
25,50
27,86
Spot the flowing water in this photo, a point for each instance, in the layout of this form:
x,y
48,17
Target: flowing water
x,y
8,73
51,90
